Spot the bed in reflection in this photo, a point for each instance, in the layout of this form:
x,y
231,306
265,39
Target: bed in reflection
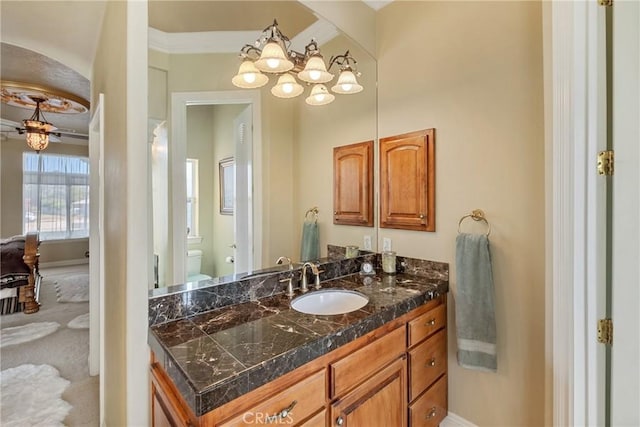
x,y
19,276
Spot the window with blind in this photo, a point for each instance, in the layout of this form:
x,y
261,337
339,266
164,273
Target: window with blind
x,y
55,195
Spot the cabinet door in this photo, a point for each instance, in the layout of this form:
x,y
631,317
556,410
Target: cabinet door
x,y
353,184
380,401
407,181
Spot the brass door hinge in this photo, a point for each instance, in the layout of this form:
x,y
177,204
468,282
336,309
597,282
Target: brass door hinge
x,y
605,162
605,2
605,331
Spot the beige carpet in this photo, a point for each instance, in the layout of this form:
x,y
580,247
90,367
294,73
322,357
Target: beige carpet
x,y
73,288
66,349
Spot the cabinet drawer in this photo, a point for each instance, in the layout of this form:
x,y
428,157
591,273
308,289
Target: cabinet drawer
x,y
431,408
361,364
426,363
290,406
318,420
423,326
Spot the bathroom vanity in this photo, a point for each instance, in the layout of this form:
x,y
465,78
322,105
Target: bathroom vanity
x,y
257,361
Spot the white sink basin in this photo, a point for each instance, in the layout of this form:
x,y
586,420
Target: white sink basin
x,y
330,302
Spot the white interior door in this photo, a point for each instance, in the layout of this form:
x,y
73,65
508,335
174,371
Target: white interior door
x,y
625,351
243,203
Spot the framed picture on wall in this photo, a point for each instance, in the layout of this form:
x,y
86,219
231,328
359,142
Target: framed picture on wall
x,y
226,167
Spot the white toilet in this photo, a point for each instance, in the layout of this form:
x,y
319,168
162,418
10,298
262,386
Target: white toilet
x,y
194,262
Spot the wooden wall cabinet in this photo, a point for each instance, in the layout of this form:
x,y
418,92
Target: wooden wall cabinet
x,y
353,184
394,376
407,181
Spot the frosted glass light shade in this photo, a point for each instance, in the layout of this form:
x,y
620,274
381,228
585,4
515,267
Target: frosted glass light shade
x,y
319,96
315,71
249,77
287,87
273,59
347,83
37,141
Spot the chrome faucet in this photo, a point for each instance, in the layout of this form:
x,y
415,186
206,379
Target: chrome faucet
x,y
289,279
282,259
304,286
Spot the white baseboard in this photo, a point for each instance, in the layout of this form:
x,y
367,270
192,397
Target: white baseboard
x,y
65,263
453,420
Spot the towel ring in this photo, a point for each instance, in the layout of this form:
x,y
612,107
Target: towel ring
x,y
476,215
314,211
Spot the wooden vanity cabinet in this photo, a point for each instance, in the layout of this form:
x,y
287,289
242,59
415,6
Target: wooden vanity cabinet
x,y
353,184
392,376
407,181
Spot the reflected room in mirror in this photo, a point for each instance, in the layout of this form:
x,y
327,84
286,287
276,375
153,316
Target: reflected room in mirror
x,y
282,147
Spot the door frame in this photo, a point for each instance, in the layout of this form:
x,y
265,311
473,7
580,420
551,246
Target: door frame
x,y
575,269
96,249
178,153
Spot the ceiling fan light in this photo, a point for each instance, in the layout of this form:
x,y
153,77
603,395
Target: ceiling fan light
x,y
273,59
347,83
287,87
249,77
320,96
38,126
315,71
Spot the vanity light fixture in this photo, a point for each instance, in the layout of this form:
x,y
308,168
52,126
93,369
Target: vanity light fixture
x,y
271,53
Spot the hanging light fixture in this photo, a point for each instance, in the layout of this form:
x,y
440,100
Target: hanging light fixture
x,y
271,54
37,129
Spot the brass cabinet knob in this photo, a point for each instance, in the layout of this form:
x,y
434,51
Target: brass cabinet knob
x,y
431,362
339,421
430,322
432,413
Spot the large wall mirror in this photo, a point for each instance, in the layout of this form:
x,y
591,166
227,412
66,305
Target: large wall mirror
x,y
281,149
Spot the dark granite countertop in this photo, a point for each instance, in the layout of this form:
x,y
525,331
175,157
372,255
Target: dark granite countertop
x,y
217,356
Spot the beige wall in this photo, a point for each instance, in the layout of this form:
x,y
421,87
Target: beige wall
x,y
11,200
473,71
109,77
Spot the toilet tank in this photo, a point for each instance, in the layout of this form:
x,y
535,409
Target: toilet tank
x,y
194,261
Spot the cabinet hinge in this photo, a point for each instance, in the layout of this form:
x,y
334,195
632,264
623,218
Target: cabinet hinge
x,y
605,162
605,2
605,331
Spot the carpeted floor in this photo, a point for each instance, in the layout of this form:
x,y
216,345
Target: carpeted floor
x,y
66,349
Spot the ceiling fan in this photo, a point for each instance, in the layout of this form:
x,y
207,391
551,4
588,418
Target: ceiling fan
x,y
13,130
38,131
